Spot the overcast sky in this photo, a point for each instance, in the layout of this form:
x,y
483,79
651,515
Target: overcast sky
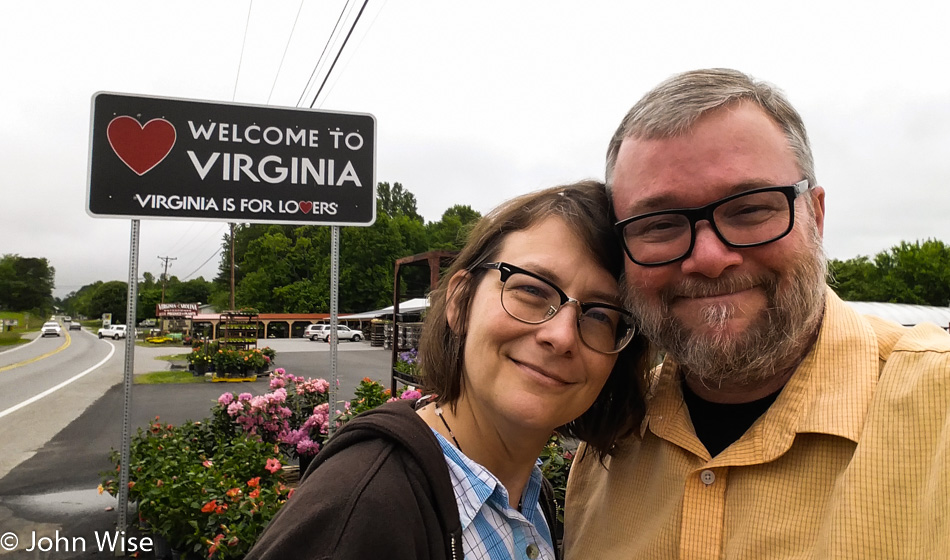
x,y
474,102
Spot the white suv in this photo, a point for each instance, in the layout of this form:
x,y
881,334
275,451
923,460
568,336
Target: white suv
x,y
114,332
313,331
342,332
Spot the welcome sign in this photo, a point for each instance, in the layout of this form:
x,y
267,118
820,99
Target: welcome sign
x,y
154,157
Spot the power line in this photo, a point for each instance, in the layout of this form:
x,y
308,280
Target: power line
x,y
243,44
283,56
202,238
280,66
322,54
204,263
370,26
174,246
339,52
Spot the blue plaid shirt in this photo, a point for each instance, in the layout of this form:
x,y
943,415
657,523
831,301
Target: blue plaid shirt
x,y
491,529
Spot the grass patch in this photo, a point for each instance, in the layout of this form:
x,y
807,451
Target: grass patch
x,y
172,357
27,322
11,338
170,344
172,376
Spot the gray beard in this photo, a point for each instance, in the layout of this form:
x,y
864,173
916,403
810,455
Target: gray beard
x,y
775,341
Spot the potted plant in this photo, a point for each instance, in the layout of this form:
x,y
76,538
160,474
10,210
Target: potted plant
x,y
270,354
228,363
408,362
254,361
200,361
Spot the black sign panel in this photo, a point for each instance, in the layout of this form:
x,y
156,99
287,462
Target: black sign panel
x,y
170,158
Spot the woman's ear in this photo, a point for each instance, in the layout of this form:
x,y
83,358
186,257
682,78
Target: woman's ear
x,y
452,294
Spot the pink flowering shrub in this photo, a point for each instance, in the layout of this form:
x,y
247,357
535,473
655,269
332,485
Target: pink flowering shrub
x,y
294,414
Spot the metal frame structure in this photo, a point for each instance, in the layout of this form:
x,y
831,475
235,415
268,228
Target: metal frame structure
x,y
434,260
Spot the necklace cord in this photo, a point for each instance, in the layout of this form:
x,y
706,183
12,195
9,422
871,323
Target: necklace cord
x,y
438,412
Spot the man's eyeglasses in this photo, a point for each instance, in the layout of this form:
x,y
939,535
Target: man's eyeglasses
x,y
747,219
533,299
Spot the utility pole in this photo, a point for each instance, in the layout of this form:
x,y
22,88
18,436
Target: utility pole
x,y
165,274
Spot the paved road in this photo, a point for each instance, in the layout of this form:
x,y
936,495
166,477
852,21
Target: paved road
x,y
46,362
54,489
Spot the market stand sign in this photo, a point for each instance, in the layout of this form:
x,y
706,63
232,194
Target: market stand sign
x,y
152,157
188,310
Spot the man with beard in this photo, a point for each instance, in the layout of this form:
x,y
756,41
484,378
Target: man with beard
x,y
781,424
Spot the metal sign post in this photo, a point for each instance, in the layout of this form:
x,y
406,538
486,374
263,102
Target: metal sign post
x,y
334,336
125,448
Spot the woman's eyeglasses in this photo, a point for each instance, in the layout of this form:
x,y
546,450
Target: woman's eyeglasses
x,y
533,299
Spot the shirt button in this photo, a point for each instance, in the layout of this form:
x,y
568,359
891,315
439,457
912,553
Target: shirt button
x,y
532,551
707,476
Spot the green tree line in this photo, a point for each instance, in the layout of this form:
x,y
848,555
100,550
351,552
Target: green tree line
x,y
917,273
92,300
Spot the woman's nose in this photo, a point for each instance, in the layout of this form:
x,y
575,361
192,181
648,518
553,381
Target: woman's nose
x,y
561,331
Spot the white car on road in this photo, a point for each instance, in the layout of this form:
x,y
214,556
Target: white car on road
x,y
50,328
342,332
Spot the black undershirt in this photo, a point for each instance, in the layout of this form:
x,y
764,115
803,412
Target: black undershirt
x,y
719,425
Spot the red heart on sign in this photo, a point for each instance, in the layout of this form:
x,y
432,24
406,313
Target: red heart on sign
x,y
141,147
306,207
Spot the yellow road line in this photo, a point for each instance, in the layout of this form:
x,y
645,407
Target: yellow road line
x,y
38,358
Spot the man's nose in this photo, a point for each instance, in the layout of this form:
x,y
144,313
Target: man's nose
x,y
710,256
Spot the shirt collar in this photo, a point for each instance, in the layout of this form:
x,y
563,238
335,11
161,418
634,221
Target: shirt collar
x,y
484,488
834,385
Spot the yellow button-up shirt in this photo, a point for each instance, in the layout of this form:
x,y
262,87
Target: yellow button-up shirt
x,y
852,460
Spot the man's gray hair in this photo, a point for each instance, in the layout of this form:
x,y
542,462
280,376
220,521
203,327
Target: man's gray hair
x,y
671,109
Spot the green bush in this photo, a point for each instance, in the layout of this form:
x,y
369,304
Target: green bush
x,y
204,491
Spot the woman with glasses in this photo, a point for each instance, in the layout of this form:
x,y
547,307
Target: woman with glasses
x,y
526,335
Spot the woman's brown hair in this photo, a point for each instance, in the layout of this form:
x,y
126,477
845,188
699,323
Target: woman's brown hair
x,y
585,208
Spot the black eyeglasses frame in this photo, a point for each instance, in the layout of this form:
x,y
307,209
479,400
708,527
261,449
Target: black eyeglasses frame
x,y
700,213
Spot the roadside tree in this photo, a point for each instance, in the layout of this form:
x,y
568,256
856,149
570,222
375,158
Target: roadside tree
x,y
26,284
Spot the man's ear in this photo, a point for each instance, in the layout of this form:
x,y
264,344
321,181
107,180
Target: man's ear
x,y
818,194
452,311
